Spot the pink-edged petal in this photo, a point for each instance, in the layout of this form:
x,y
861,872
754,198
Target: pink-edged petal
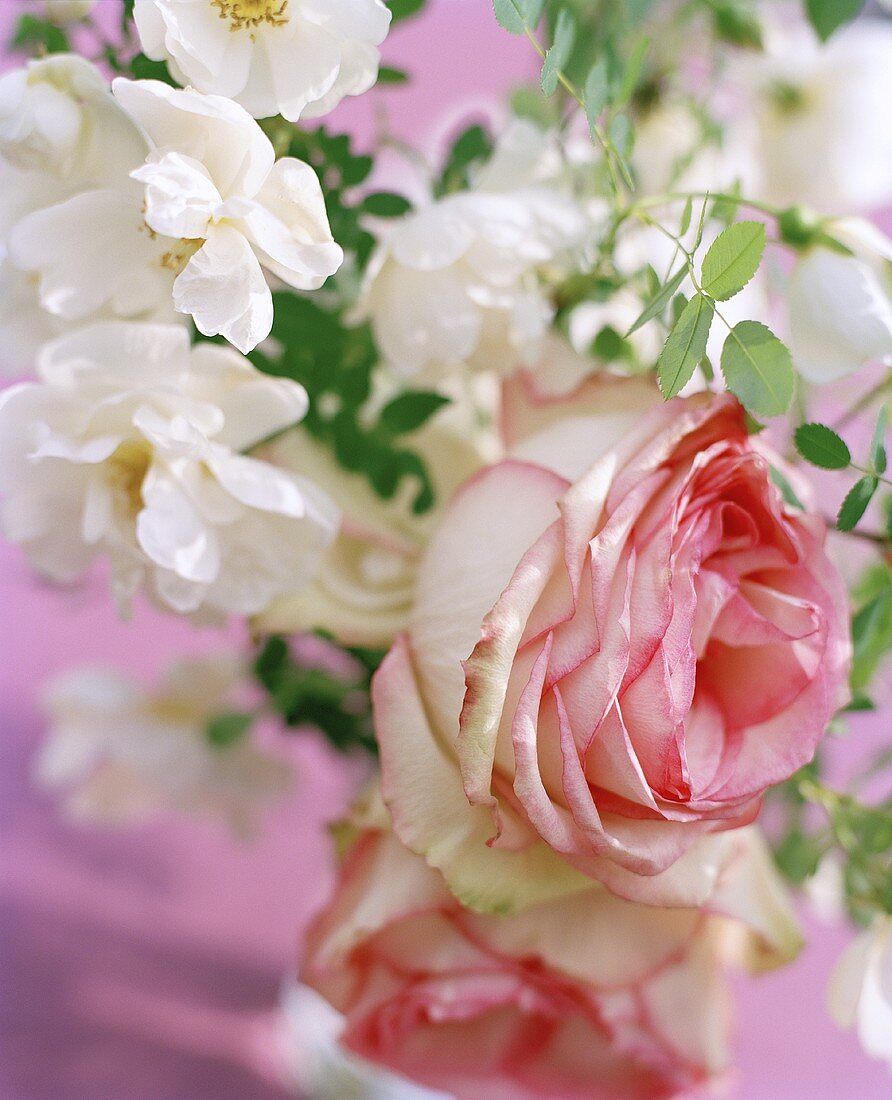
x,y
469,563
432,816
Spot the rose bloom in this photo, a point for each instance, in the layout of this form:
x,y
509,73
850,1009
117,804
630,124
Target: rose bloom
x,y
621,637
588,996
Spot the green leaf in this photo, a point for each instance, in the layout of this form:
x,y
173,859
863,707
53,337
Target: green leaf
x,y
821,446
685,346
225,729
732,260
631,74
410,410
35,34
143,68
559,54
509,16
829,15
389,75
403,9
758,369
798,856
597,91
736,24
473,144
658,303
856,502
385,204
878,457
725,209
686,215
622,138
872,629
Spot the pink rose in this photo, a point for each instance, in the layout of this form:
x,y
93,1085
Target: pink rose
x,y
621,637
589,996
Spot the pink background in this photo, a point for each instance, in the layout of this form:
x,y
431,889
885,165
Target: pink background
x,y
144,964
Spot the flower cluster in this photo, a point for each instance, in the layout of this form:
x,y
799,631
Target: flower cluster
x,y
525,452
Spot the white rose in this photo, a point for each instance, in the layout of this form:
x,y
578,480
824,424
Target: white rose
x,y
365,586
129,446
57,115
860,990
298,58
62,135
120,753
203,216
840,313
457,282
812,117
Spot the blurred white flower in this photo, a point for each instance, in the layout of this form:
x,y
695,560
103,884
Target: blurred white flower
x,y
840,312
207,211
129,446
457,282
57,115
826,890
67,11
120,753
674,152
860,990
319,1068
812,117
298,58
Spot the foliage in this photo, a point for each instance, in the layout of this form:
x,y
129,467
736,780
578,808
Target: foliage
x,y
336,704
335,363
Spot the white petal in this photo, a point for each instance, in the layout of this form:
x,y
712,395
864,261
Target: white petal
x,y
423,317
142,354
180,196
260,485
224,290
172,533
290,226
368,20
89,251
301,67
431,238
840,317
210,128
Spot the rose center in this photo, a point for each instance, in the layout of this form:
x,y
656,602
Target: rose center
x,y
126,471
250,14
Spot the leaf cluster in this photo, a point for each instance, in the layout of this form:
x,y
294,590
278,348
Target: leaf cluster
x,y
822,446
339,706
335,362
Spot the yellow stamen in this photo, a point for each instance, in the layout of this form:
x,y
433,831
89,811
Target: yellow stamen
x,y
250,14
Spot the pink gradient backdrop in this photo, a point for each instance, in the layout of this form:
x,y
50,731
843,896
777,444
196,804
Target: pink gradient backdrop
x,y
144,964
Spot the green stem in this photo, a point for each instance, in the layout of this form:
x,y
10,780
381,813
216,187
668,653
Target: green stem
x,y
574,94
718,196
864,402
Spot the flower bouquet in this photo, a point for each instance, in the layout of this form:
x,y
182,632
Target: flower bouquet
x,y
544,465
